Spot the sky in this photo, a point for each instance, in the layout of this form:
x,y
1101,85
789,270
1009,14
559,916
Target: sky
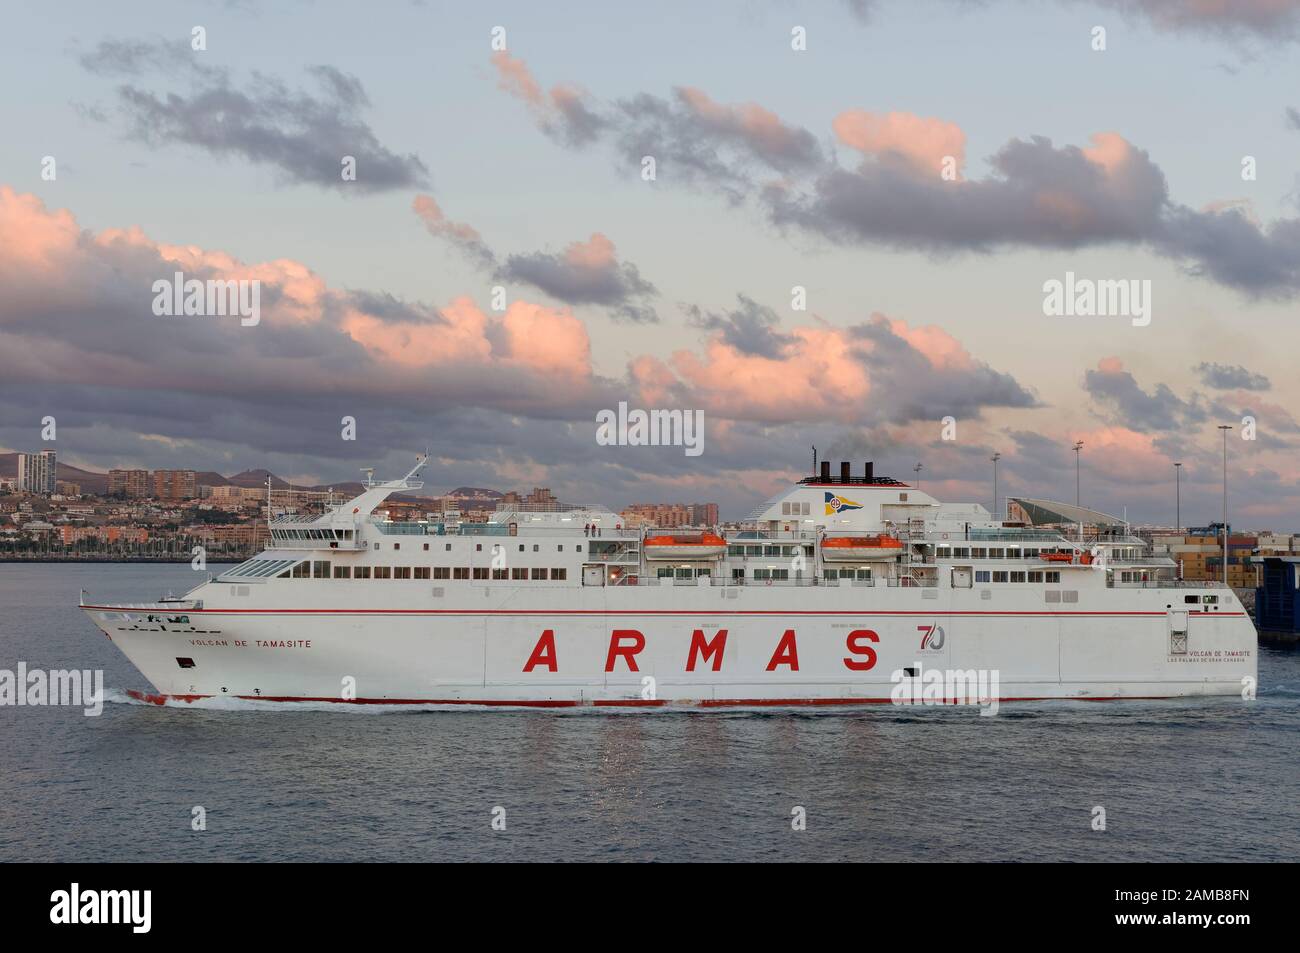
x,y
854,212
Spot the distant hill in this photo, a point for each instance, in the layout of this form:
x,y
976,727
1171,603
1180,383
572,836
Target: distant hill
x,y
255,479
92,482
474,493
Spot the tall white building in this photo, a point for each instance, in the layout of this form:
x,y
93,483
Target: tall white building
x,y
37,472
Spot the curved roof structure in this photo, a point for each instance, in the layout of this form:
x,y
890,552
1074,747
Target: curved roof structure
x,y
1050,512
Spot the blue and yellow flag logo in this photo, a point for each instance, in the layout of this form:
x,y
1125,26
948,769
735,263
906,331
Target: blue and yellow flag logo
x,y
838,504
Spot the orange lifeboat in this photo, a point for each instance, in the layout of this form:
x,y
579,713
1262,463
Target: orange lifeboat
x,y
1058,557
703,546
858,548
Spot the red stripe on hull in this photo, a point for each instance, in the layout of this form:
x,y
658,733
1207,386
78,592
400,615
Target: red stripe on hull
x,y
158,699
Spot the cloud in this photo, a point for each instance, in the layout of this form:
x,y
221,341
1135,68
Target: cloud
x,y
860,374
463,237
1230,377
507,398
1272,20
587,273
1036,195
1228,248
691,137
924,143
1267,20
303,135
563,113
755,130
584,273
313,343
1122,401
749,329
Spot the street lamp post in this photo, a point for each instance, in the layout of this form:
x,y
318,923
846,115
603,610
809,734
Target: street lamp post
x,y
1078,445
917,470
1178,494
1225,428
995,458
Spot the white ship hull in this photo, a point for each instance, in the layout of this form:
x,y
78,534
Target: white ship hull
x,y
397,642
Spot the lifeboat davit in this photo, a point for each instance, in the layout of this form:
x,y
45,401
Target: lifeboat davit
x,y
704,546
859,548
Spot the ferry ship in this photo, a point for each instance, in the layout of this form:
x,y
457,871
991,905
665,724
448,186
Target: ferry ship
x,y
829,594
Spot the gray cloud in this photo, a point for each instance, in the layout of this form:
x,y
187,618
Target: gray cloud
x,y
1122,401
896,366
1036,195
889,203
1227,247
692,136
1230,377
303,135
115,57
1272,20
585,273
750,328
572,122
1268,20
463,237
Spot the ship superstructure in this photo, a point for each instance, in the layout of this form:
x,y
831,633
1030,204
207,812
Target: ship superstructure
x,y
830,593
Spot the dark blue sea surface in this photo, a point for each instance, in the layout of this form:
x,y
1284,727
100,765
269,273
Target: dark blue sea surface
x,y
1194,780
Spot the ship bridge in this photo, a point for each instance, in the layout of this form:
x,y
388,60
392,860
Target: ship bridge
x,y
340,527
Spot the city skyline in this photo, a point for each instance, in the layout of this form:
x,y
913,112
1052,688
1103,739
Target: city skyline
x,y
924,295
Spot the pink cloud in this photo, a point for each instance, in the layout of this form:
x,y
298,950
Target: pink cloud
x,y
595,253
939,347
817,375
921,142
118,266
760,126
31,237
429,212
547,340
1110,151
515,78
1130,455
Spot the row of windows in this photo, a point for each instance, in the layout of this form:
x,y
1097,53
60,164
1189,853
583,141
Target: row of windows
x,y
478,547
320,569
983,575
772,550
802,508
291,534
1009,552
